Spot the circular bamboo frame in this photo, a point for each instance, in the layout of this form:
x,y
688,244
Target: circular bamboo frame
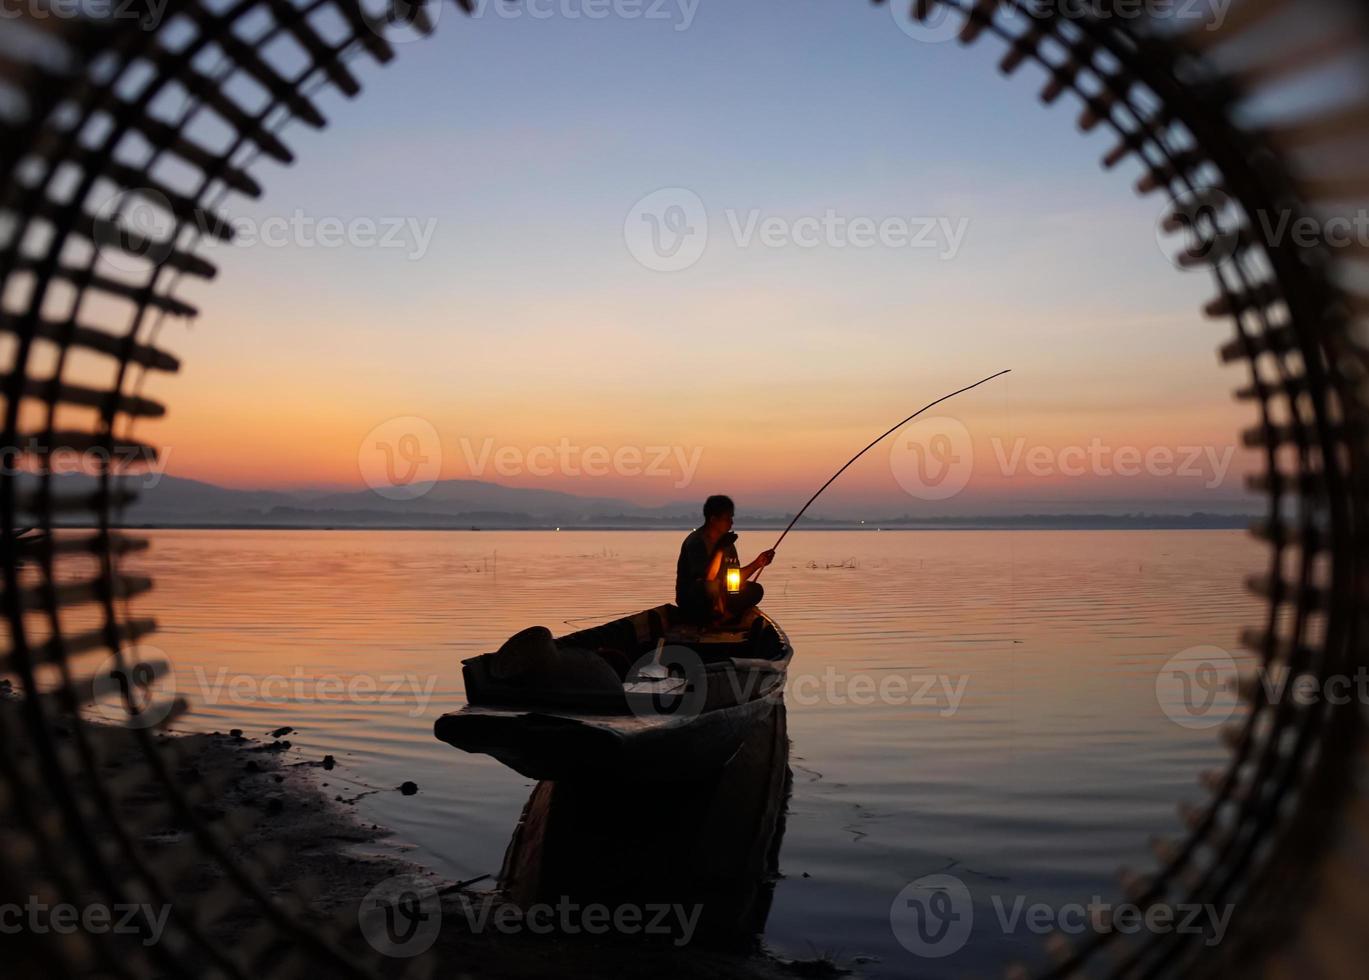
x,y
75,95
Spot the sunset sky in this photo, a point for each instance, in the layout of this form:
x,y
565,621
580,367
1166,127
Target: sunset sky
x,y
514,315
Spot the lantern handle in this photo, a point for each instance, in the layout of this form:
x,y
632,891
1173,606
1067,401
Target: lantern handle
x,y
872,445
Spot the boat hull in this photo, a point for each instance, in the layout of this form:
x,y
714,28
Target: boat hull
x,y
561,747
657,728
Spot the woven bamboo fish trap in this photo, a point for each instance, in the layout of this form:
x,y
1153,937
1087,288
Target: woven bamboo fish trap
x,y
1282,834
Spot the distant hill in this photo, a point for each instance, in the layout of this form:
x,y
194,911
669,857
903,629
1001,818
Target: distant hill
x,y
474,496
178,502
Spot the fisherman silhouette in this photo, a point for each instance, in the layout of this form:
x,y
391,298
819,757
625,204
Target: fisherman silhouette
x,y
700,582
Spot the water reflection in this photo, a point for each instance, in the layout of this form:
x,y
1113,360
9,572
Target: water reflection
x,y
1039,758
710,844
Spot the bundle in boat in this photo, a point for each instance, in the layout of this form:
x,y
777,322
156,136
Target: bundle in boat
x,y
647,696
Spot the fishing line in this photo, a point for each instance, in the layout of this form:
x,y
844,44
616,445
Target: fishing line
x,y
872,445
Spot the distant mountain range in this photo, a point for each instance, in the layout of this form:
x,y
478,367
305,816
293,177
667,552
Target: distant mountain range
x,y
464,504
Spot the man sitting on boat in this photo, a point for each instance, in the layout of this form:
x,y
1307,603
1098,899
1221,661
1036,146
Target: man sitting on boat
x,y
700,574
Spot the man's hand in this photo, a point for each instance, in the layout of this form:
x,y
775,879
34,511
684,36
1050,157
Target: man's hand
x,y
765,557
727,539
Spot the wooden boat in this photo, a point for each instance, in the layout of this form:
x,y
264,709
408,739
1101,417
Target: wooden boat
x,y
602,842
645,697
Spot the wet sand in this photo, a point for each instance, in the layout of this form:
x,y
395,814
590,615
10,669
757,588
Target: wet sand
x,y
306,846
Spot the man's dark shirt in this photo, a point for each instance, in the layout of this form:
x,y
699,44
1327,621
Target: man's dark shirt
x,y
695,557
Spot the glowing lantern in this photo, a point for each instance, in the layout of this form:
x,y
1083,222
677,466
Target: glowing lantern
x,y
734,579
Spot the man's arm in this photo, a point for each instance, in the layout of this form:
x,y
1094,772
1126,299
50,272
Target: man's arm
x,y
714,566
703,565
715,562
763,559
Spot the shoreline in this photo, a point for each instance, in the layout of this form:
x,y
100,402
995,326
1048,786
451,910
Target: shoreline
x,y
1238,522
284,818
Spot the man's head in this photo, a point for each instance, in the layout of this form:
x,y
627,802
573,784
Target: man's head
x,y
718,511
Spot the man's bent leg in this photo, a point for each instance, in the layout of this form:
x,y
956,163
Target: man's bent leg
x,y
748,598
698,606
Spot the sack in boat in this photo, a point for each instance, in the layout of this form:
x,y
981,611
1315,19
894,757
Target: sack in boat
x,y
530,652
579,670
532,657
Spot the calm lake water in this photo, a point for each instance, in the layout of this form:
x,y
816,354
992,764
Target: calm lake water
x,y
979,704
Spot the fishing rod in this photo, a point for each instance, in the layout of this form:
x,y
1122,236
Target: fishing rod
x,y
872,445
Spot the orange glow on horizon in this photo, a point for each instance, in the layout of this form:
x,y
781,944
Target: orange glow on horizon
x,y
762,422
